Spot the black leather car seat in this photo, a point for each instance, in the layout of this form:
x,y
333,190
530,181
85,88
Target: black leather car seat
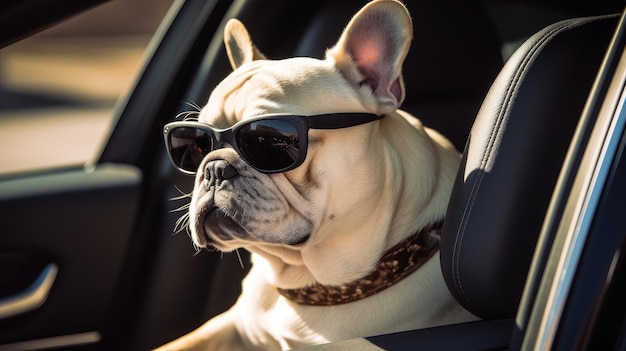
x,y
511,162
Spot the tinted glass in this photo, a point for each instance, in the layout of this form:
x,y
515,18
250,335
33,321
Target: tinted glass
x,y
269,144
188,146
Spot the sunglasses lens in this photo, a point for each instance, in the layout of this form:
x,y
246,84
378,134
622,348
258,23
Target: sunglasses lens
x,y
269,145
188,146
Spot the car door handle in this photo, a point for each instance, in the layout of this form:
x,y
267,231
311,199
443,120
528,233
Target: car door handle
x,y
32,297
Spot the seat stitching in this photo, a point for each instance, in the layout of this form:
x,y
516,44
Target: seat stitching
x,y
520,72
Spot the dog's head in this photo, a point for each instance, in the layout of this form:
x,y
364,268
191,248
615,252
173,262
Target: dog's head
x,y
349,188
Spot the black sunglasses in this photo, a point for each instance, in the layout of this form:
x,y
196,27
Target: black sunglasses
x,y
269,143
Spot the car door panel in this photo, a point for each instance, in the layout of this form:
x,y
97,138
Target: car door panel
x,y
77,221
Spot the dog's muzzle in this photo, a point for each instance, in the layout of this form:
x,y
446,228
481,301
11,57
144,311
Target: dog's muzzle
x,y
232,201
215,223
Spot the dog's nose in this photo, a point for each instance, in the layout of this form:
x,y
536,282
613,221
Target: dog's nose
x,y
219,170
229,171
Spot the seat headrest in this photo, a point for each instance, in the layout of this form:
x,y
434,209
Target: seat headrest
x,y
512,160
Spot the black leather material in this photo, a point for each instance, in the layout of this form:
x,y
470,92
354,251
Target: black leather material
x,y
512,160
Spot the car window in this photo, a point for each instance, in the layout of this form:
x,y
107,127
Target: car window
x,y
58,88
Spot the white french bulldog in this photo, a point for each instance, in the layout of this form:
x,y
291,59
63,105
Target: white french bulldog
x,y
341,211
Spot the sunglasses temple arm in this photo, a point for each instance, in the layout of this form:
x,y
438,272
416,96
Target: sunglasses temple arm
x,y
341,120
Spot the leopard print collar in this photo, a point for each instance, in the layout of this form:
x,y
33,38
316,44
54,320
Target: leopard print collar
x,y
400,261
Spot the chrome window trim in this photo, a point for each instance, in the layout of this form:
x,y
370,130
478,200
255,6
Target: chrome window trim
x,y
580,210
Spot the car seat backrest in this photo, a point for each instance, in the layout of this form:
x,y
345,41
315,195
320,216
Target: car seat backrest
x,y
511,162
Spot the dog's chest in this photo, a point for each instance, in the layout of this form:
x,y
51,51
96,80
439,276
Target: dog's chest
x,y
408,305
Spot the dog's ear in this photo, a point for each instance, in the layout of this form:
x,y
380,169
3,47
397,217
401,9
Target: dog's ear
x,y
373,47
239,45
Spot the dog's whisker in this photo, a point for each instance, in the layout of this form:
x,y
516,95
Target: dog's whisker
x,y
182,223
242,216
178,189
181,197
194,105
181,208
239,257
190,114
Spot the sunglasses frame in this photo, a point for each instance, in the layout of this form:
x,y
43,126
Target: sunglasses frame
x,y
302,124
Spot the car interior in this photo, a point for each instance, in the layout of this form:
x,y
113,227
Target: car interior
x,y
506,81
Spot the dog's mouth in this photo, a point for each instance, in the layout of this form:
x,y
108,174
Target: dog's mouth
x,y
216,223
300,241
218,227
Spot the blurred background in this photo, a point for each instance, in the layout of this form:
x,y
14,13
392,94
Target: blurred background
x,y
58,88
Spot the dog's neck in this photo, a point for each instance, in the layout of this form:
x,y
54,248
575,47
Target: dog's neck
x,y
395,265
